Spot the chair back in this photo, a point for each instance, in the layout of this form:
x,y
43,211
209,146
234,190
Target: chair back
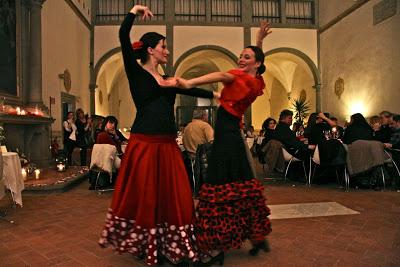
x,y
103,158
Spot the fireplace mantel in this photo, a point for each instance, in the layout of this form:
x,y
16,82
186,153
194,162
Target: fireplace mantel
x,y
30,135
17,119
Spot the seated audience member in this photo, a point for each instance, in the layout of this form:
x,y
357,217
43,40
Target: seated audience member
x,y
97,123
375,123
287,137
312,119
395,137
316,134
395,144
250,132
266,134
339,128
358,129
109,134
268,126
385,131
269,123
197,132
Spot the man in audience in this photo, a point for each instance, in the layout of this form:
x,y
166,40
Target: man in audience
x,y
287,137
395,144
197,132
386,120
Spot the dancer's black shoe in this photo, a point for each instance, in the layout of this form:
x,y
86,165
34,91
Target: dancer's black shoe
x,y
264,245
161,260
219,259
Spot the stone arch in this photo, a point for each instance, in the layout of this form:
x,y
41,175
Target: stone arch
x,y
311,65
188,53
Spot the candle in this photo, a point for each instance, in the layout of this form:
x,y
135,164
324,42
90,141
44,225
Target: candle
x,y
37,173
23,112
60,167
18,110
23,173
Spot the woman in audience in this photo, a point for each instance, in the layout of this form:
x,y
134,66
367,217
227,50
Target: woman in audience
x,y
84,128
268,127
375,123
231,203
358,129
69,128
109,135
152,211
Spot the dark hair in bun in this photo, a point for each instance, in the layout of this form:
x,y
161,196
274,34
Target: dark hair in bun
x,y
149,39
259,55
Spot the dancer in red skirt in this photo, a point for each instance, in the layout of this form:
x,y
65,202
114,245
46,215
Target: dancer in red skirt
x,y
152,213
231,203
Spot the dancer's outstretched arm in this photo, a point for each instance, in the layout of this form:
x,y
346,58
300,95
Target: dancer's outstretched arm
x,y
263,31
206,79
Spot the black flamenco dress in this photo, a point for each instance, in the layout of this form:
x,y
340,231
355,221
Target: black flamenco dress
x,y
231,202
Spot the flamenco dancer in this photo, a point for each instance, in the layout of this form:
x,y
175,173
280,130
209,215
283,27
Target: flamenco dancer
x,y
231,203
152,213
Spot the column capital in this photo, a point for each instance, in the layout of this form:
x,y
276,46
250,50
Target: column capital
x,y
92,86
36,3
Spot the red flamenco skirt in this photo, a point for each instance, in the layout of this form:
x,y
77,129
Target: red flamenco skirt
x,y
230,213
152,210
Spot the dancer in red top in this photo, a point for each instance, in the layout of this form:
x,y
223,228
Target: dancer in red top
x,y
231,202
152,213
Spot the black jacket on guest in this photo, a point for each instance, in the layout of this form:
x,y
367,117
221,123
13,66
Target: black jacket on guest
x,y
288,138
357,131
383,134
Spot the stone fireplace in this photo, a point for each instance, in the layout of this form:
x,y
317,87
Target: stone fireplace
x,y
30,135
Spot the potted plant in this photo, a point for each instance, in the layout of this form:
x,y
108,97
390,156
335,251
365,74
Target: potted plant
x,y
301,109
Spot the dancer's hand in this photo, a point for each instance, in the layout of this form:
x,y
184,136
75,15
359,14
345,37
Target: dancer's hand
x,y
169,82
183,83
263,31
217,95
144,11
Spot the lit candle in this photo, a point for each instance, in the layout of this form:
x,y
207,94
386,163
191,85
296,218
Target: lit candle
x,y
334,129
60,167
37,173
23,112
18,110
23,173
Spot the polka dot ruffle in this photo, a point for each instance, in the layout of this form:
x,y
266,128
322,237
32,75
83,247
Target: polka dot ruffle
x,y
172,241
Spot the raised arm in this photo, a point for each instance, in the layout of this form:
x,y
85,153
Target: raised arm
x,y
124,30
263,31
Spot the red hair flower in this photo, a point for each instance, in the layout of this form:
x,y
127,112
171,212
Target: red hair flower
x,y
137,45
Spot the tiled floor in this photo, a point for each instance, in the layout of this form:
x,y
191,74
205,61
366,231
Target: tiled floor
x,y
62,229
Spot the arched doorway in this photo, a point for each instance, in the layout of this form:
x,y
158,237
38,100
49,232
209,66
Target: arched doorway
x,y
196,62
290,75
112,95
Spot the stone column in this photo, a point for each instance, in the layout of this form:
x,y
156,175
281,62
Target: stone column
x,y
317,88
35,52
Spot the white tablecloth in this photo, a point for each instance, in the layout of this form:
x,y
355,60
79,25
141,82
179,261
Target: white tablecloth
x,y
250,142
12,176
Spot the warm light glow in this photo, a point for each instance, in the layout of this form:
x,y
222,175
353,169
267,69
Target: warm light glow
x,y
18,109
23,171
60,167
37,173
356,107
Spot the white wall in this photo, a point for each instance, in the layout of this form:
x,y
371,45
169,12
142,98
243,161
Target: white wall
x,y
65,45
188,37
106,37
367,57
304,40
